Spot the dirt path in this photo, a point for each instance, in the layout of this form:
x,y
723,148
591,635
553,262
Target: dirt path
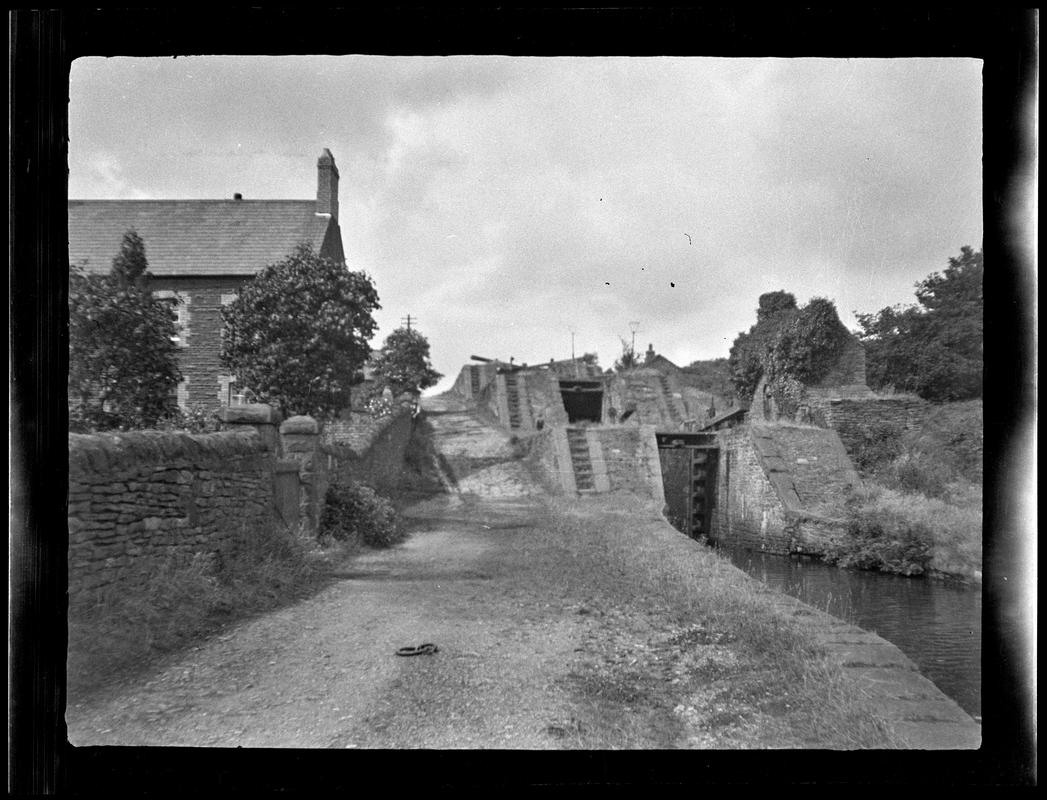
x,y
323,673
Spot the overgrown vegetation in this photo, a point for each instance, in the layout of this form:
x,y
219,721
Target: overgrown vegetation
x,y
911,534
297,334
921,510
123,366
628,359
935,347
357,514
712,376
788,346
180,602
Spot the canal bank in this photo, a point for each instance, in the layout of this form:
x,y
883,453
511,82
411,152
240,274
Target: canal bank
x,y
936,623
841,664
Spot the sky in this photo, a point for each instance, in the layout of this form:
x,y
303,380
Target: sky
x,y
519,206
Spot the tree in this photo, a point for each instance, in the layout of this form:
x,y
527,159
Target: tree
x,y
130,265
403,362
628,359
123,366
934,347
297,333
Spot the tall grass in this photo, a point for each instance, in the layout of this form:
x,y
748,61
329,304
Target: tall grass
x,y
912,534
633,559
177,602
921,509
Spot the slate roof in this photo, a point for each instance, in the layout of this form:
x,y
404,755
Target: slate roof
x,y
195,237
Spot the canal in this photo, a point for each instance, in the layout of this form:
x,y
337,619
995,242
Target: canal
x,y
936,623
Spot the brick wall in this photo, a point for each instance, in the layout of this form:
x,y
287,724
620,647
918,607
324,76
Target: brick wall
x,y
201,339
139,499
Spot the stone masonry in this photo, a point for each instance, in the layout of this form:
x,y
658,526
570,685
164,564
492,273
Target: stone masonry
x,y
143,500
139,500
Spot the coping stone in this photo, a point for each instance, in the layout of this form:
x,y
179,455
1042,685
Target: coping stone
x,y
252,413
299,424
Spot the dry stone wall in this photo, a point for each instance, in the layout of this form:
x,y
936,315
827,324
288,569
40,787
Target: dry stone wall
x,y
859,420
146,499
139,500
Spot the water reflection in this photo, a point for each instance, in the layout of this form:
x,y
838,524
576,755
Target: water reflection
x,y
936,623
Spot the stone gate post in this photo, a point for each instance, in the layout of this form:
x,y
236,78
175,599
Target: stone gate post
x,y
263,417
300,442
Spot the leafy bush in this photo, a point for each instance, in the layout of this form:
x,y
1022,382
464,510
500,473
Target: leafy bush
x,y
297,334
192,420
882,535
356,513
881,444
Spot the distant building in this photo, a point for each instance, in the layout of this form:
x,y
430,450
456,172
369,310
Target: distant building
x,y
660,363
200,252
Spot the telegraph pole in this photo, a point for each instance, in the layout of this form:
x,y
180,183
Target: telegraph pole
x,y
573,362
634,327
408,320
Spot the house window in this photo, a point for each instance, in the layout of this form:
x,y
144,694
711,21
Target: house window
x,y
182,393
226,389
180,305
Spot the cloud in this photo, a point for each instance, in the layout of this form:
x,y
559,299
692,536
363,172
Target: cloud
x,y
502,200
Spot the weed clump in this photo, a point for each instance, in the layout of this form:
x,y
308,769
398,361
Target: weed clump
x,y
178,600
910,534
356,513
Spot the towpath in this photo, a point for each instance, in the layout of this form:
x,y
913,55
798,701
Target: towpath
x,y
323,673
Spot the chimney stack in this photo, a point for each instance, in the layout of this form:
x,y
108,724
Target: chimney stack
x,y
327,185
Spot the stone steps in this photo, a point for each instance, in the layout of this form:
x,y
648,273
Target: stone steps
x,y
513,396
670,401
581,462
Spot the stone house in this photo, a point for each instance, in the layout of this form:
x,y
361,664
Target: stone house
x,y
200,252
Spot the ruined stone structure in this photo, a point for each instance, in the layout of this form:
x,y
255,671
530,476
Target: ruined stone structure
x,y
200,252
744,475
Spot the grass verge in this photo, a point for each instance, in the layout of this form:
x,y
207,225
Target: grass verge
x,y
686,650
119,632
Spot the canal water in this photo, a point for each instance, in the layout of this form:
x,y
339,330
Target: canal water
x,y
936,623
